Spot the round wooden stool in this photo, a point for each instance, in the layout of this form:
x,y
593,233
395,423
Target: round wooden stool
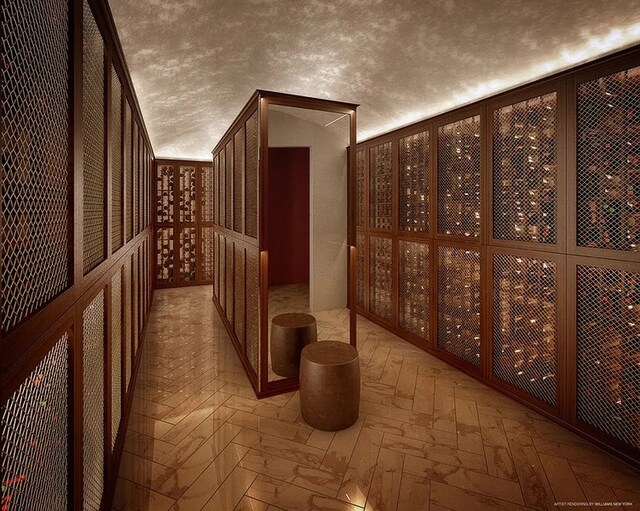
x,y
289,334
330,385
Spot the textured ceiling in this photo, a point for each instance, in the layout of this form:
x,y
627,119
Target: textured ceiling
x,y
195,63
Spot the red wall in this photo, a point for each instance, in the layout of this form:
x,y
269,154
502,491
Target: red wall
x,y
288,213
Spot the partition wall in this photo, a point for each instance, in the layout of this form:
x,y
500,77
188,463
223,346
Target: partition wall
x,y
241,258
76,253
504,237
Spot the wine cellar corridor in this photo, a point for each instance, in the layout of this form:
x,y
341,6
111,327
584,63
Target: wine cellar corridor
x,y
480,261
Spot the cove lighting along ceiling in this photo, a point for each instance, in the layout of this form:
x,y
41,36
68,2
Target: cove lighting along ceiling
x,y
195,63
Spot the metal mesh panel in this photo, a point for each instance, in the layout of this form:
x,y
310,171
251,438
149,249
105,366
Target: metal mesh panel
x,y
238,312
93,402
229,278
413,292
208,194
216,266
238,179
361,192
251,177
413,188
164,255
135,313
608,345
187,206
459,178
116,161
164,194
380,277
609,161
35,156
127,323
128,169
93,144
525,324
252,308
229,185
525,164
216,187
35,435
116,354
222,271
459,303
206,253
188,254
380,186
136,177
223,187
360,269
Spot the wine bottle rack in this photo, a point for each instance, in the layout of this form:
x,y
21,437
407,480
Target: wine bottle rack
x,y
164,195
413,289
525,165
360,270
525,325
459,302
93,402
608,162
164,255
380,277
608,348
361,192
35,433
413,176
459,178
187,205
380,186
206,254
188,251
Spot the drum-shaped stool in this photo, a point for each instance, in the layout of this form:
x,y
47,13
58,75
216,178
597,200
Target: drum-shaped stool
x,y
330,385
289,334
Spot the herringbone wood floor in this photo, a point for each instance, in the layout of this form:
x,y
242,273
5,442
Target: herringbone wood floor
x,y
428,437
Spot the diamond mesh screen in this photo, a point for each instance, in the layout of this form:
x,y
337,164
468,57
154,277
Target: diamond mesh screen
x,y
413,292
116,161
608,338
360,270
238,313
93,402
164,255
187,206
459,178
93,143
525,170
413,188
609,161
380,186
35,156
525,324
126,302
229,276
251,177
222,271
208,194
459,303
35,436
238,179
188,254
361,192
380,277
229,185
252,308
128,169
136,177
116,354
206,253
164,194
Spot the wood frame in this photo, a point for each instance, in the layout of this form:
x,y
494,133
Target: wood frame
x,y
564,252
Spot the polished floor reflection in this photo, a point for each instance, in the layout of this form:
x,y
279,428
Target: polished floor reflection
x,y
428,437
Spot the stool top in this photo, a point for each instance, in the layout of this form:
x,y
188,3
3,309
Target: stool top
x,y
330,353
294,320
